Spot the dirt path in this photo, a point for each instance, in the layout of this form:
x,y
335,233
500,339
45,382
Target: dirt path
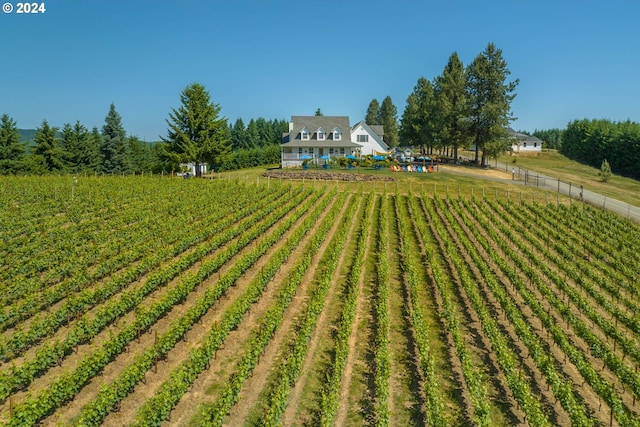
x,y
478,344
349,402
70,361
540,385
323,328
113,369
406,402
601,268
227,357
249,406
589,396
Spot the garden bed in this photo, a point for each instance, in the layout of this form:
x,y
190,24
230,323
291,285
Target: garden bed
x,y
325,175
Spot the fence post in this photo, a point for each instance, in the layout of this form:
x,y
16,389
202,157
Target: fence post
x,y
569,190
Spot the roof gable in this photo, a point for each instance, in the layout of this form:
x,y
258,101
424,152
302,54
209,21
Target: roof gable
x,y
374,135
318,122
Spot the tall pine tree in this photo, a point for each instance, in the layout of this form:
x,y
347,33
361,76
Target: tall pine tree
x,y
373,113
92,157
79,152
252,136
113,144
452,101
238,136
416,127
48,155
389,121
196,134
490,101
11,149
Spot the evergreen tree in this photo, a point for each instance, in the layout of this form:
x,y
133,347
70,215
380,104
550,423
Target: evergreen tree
x,y
76,144
605,171
196,134
281,127
490,98
452,105
416,127
47,153
389,120
91,157
113,147
265,132
139,155
238,136
252,136
373,113
11,149
319,113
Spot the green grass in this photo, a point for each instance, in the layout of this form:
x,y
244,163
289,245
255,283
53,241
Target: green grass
x,y
438,183
556,165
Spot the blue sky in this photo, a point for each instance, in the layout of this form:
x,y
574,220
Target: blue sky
x,y
274,59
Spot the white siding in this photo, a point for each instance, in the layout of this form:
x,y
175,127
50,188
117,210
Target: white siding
x,y
369,147
530,148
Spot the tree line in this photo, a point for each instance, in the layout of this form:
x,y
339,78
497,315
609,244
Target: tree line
x,y
594,141
74,149
463,106
195,134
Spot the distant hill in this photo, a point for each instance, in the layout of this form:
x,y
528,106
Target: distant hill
x,y
26,135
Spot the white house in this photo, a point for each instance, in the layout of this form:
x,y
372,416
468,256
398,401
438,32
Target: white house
x,y
369,137
191,168
317,138
522,143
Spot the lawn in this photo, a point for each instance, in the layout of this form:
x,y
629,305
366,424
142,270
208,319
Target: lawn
x,y
556,165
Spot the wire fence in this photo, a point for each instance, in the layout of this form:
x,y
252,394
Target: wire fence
x,y
572,190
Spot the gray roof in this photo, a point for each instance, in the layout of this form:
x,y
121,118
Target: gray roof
x,y
378,129
522,136
376,132
313,123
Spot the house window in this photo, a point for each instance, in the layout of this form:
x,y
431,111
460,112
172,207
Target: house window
x,y
299,150
310,150
337,134
363,138
321,134
342,151
304,134
330,151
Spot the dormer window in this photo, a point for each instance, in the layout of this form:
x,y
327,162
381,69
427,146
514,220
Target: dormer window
x,y
337,134
321,134
304,134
